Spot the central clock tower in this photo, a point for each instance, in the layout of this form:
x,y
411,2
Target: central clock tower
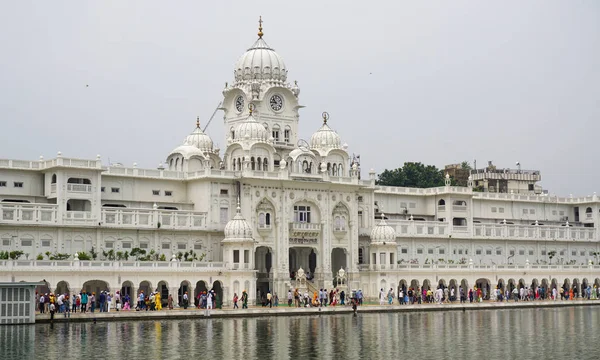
x,y
260,78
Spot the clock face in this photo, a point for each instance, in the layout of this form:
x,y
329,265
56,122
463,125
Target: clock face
x,y
276,102
239,103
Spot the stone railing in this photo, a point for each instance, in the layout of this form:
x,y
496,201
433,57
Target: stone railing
x,y
45,164
482,268
83,188
109,266
420,228
150,218
534,232
28,213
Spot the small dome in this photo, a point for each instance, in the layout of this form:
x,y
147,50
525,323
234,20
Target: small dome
x,y
199,139
238,227
250,129
187,151
325,138
383,232
260,62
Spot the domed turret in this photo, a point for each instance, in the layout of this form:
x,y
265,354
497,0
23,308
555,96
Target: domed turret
x,y
260,62
199,139
325,138
250,129
238,228
383,232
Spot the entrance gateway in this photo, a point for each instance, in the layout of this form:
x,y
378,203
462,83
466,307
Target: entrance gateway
x,y
17,302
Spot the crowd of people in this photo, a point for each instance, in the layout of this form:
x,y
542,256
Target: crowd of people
x,y
80,302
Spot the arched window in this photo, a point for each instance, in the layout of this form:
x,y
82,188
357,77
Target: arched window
x,y
442,202
287,134
239,164
268,219
588,210
171,164
259,164
265,164
305,167
261,220
252,163
176,163
334,172
232,132
329,168
340,173
53,181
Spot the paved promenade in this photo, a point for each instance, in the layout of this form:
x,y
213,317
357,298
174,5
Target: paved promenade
x,y
257,311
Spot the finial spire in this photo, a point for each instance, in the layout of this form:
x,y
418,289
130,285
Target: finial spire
x,y
260,33
325,117
238,209
250,108
198,122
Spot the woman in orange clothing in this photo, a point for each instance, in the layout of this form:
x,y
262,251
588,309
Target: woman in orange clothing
x,y
315,300
571,294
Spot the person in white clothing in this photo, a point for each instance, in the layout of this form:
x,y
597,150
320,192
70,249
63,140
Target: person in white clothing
x,y
381,297
209,301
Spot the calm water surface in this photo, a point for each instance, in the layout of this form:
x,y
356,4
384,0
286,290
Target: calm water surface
x,y
496,334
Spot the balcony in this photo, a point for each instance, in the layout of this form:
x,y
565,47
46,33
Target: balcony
x,y
79,218
131,267
28,213
533,232
149,219
78,188
303,229
420,228
459,208
441,208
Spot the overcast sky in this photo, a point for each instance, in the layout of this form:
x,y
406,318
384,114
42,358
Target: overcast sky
x,y
432,81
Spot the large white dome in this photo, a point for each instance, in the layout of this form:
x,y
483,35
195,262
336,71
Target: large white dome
x,y
250,129
325,138
187,151
260,62
383,232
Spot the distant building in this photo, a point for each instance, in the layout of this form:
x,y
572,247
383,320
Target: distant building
x,y
458,173
511,181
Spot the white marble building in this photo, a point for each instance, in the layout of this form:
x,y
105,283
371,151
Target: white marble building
x,y
301,205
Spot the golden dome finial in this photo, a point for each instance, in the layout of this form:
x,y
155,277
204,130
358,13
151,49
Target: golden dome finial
x,y
198,122
325,117
260,33
250,108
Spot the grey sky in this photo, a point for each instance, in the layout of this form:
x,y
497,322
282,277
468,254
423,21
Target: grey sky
x,y
431,81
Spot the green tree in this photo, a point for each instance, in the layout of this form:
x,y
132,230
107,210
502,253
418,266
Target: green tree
x,y
412,174
465,165
551,254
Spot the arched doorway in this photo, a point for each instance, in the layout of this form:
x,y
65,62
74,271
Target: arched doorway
x,y
312,261
576,288
501,285
163,289
484,285
566,287
521,283
184,287
545,290
402,285
453,290
95,286
338,260
441,284
199,289
263,262
146,287
511,285
62,288
127,289
43,289
217,287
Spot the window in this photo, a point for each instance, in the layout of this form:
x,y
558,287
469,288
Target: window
x,y
574,253
404,250
339,223
488,251
181,246
430,251
168,193
590,253
102,189
236,256
156,192
420,251
478,252
126,245
493,209
525,211
412,205
562,253
166,246
115,190
276,134
441,251
197,246
530,187
360,199
224,215
512,253
501,210
5,242
522,252
498,251
18,184
543,252
2,183
144,245
302,214
26,242
224,191
553,212
109,245
246,256
561,213
532,211
460,251
582,253
466,251
45,243
530,252
403,205
360,255
286,135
